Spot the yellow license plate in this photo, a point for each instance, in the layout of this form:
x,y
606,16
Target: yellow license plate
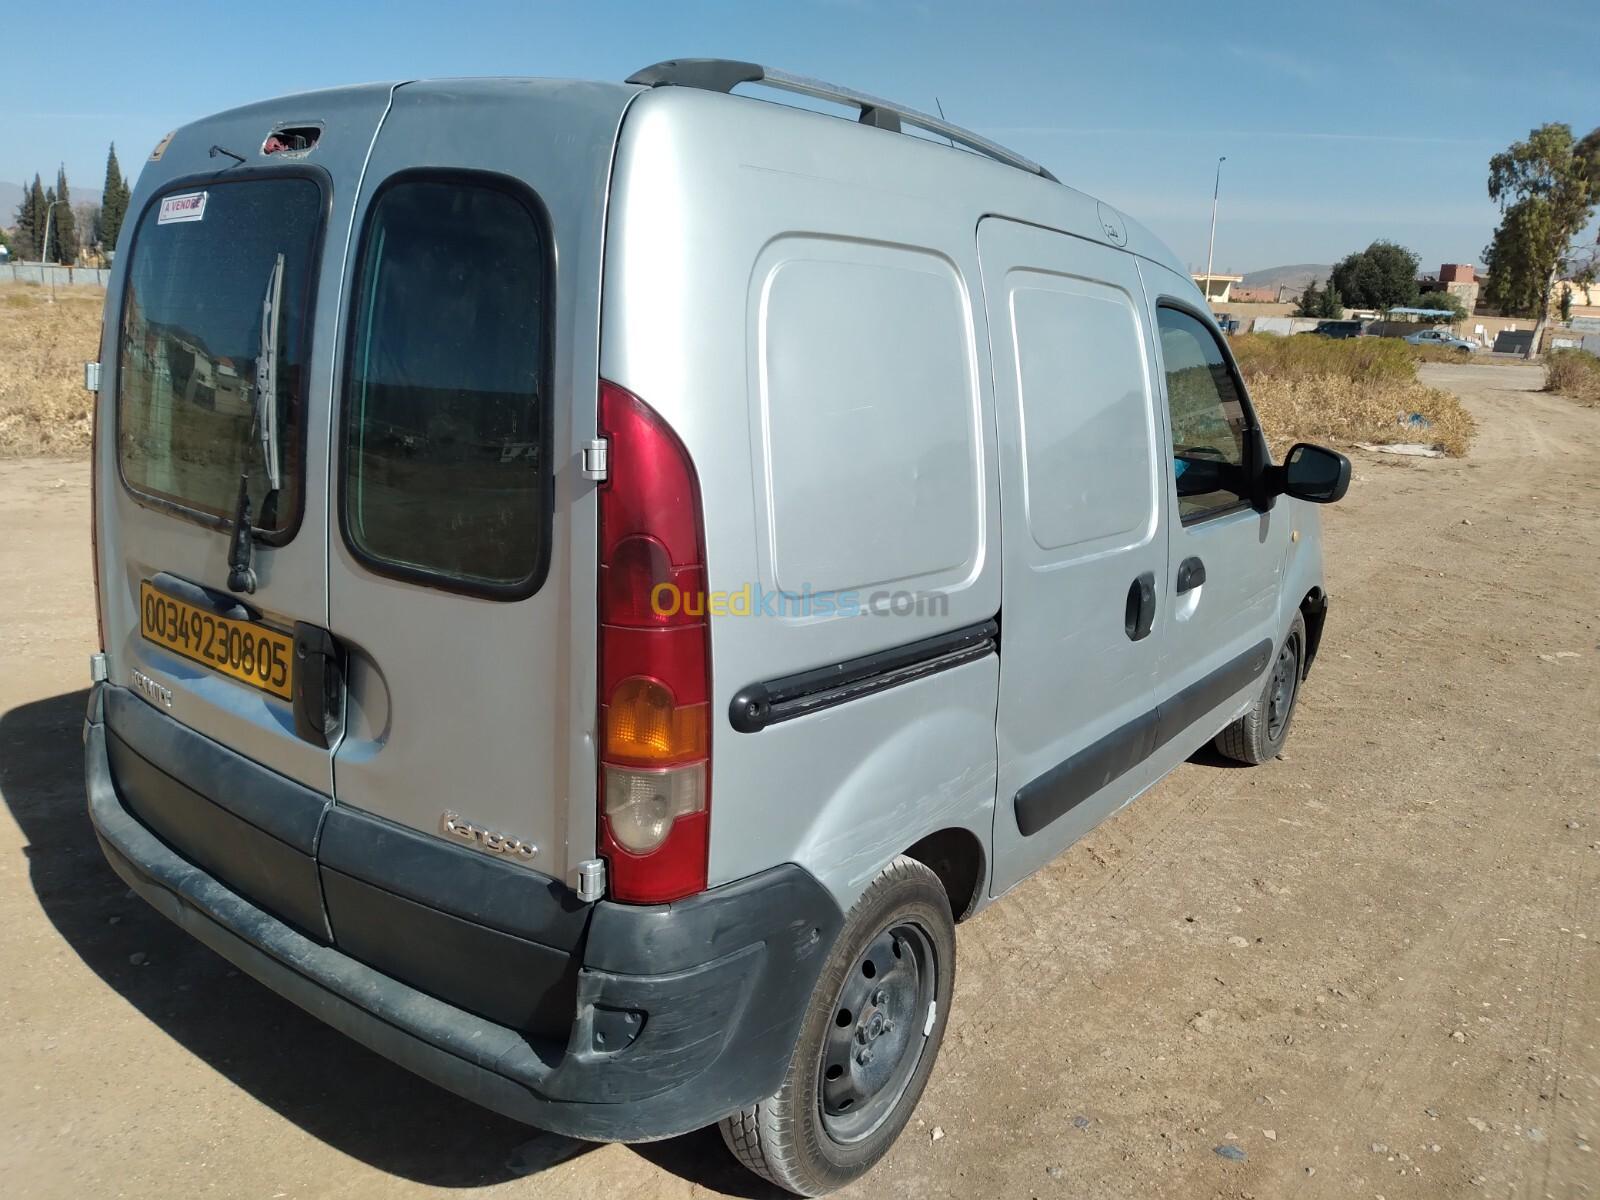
x,y
244,650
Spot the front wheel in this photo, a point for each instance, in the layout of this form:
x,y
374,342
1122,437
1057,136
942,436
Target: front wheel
x,y
867,1044
1260,734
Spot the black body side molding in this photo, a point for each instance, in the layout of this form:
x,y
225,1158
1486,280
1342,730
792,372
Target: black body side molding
x,y
762,704
1050,796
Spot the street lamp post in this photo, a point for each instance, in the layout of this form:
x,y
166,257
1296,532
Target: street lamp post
x,y
1211,250
44,248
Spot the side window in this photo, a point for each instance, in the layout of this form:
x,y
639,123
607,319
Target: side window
x,y
1087,440
445,459
1210,429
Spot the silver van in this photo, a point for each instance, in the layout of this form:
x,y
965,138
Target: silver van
x,y
595,580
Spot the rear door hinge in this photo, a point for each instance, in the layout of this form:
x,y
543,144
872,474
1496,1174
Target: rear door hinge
x,y
591,879
597,460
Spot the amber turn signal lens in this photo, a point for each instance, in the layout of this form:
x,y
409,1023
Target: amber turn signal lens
x,y
644,725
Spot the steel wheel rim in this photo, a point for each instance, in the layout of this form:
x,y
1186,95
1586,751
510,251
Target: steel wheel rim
x,y
1285,679
877,1032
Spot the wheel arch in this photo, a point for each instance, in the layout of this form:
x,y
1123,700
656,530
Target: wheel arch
x,y
957,856
1314,612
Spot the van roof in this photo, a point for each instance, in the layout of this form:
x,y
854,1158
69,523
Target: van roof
x,y
1031,190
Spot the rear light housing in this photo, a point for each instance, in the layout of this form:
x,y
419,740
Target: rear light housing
x,y
655,660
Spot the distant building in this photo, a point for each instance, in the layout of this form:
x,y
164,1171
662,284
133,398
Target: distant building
x,y
1459,279
1217,288
1258,295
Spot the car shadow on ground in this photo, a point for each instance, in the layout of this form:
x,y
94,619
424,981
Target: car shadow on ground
x,y
334,1089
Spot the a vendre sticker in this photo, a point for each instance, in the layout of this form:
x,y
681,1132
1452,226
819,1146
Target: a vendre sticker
x,y
190,206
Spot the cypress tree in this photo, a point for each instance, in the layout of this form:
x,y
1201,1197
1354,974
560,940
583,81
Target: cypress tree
x,y
114,204
30,223
66,222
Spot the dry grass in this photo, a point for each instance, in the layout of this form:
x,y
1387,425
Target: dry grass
x,y
1310,389
43,346
1438,354
1575,373
1457,358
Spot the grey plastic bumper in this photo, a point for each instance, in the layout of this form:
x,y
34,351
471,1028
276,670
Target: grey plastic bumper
x,y
704,997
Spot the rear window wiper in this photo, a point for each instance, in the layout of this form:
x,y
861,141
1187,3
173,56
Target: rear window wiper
x,y
264,433
267,380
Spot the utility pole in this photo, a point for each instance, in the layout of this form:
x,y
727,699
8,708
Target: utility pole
x,y
1211,251
44,248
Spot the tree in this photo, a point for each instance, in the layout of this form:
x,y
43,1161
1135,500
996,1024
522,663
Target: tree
x,y
1382,276
1310,301
87,214
114,204
1547,188
1445,300
1330,303
66,224
30,223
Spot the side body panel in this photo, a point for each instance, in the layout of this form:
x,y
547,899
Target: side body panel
x,y
1081,516
800,299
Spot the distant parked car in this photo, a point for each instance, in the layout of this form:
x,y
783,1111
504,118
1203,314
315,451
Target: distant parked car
x,y
1338,329
1442,337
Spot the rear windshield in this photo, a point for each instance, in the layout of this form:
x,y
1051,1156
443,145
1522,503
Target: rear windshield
x,y
445,478
218,272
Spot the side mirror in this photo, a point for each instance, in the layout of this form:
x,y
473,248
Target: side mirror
x,y
1314,473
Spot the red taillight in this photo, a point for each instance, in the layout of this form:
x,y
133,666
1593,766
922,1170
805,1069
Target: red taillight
x,y
655,660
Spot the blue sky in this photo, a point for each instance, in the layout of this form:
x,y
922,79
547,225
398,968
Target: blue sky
x,y
1342,122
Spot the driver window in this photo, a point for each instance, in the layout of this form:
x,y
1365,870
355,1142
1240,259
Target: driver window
x,y
1209,429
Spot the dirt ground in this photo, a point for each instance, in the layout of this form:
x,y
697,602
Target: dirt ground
x,y
1372,968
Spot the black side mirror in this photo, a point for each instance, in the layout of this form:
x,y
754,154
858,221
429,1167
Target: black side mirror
x,y
1313,473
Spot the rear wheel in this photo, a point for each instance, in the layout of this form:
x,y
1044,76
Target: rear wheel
x,y
867,1044
1260,734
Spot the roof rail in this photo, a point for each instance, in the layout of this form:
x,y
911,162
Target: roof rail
x,y
724,74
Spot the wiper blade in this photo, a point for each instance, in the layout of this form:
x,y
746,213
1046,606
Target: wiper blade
x,y
264,428
266,416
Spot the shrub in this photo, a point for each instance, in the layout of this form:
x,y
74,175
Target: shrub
x,y
1308,389
1574,373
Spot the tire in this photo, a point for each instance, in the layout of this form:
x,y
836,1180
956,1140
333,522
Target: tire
x,y
1259,735
829,1124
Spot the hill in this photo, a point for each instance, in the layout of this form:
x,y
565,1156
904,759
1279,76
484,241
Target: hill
x,y
11,198
1295,276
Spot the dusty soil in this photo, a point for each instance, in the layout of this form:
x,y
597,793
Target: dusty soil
x,y
1372,967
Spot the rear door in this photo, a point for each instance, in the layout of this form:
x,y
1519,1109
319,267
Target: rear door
x,y
1084,557
461,564
218,354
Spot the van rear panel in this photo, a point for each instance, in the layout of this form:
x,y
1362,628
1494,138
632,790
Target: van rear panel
x,y
180,390
390,340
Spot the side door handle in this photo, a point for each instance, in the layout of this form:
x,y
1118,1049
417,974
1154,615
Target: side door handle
x,y
1139,615
318,685
1191,574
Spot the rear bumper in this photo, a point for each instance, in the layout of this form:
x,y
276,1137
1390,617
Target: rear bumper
x,y
676,1014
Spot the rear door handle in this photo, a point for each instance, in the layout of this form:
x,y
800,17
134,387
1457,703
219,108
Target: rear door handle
x,y
1191,574
318,685
1139,615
